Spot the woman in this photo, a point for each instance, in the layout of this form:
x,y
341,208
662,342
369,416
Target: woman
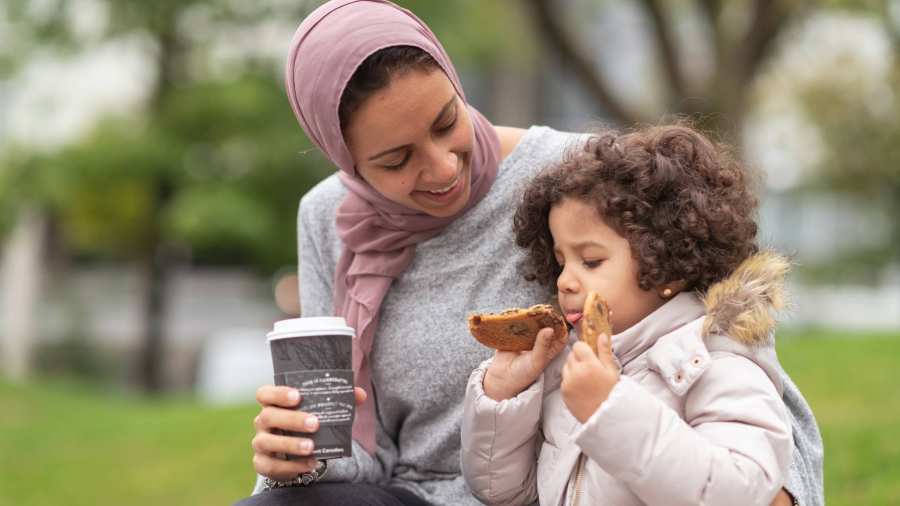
x,y
411,235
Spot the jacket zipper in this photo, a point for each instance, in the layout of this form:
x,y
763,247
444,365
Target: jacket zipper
x,y
578,474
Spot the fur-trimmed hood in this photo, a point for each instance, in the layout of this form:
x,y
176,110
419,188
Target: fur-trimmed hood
x,y
736,316
744,305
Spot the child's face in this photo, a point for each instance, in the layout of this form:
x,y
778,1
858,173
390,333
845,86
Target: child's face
x,y
594,257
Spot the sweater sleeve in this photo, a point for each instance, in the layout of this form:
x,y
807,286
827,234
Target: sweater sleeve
x,y
316,264
732,447
500,441
804,480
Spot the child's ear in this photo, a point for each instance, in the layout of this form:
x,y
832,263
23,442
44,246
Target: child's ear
x,y
671,289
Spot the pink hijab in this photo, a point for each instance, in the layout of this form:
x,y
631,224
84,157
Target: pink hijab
x,y
379,235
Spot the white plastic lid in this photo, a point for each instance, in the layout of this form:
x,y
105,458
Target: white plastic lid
x,y
310,326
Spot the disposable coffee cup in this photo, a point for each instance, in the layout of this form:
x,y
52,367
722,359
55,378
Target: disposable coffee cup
x,y
315,356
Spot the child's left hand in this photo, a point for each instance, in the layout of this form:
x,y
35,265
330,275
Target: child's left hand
x,y
587,379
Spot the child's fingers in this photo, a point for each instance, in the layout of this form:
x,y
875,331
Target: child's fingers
x,y
581,351
604,351
546,344
544,338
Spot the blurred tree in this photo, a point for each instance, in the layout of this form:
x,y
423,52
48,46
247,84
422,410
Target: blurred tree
x,y
741,35
862,162
132,188
212,163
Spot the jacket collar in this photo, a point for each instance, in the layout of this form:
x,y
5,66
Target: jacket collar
x,y
673,339
674,314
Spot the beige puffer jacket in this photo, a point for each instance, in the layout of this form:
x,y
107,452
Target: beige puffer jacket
x,y
696,418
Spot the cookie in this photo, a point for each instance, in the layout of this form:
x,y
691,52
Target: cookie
x,y
516,329
595,320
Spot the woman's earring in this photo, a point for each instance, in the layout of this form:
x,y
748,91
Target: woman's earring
x,y
667,293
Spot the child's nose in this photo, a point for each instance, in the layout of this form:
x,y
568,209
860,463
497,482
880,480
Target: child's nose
x,y
567,283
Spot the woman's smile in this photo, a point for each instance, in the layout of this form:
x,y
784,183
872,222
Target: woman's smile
x,y
447,194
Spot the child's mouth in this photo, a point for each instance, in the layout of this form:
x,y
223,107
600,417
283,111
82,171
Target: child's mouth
x,y
573,317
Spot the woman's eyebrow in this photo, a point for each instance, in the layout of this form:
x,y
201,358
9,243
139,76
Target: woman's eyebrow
x,y
440,115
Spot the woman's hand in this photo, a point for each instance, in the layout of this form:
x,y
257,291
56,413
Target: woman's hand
x,y
278,413
782,499
512,371
587,379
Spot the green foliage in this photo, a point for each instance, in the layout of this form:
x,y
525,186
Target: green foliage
x,y
31,28
227,150
223,223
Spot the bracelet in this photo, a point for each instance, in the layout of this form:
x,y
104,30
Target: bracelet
x,y
302,480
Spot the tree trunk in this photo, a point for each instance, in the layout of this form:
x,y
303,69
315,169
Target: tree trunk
x,y
156,259
155,266
23,275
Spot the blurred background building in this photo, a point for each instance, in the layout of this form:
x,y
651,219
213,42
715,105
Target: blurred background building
x,y
150,167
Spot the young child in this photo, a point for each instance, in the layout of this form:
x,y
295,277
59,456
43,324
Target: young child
x,y
686,407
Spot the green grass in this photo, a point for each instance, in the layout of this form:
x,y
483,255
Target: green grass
x,y
853,385
65,444
62,443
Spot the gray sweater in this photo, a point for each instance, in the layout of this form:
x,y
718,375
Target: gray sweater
x,y
423,353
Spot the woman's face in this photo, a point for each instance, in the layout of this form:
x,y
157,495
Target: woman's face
x,y
412,141
594,257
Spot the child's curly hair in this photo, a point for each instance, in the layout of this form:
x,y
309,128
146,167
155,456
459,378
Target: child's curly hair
x,y
684,204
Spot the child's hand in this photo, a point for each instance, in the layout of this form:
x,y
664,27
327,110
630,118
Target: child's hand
x,y
511,372
587,379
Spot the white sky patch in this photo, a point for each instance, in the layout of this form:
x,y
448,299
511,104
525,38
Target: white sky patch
x,y
223,48
53,101
848,51
783,142
234,45
88,19
41,10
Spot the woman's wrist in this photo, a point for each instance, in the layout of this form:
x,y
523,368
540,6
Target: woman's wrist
x,y
302,479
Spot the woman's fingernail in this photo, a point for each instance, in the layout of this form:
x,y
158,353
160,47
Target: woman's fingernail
x,y
311,422
305,446
294,395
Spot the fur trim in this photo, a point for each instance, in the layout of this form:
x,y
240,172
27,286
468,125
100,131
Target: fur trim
x,y
743,305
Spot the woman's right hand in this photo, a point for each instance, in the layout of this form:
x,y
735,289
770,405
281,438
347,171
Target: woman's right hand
x,y
278,413
511,372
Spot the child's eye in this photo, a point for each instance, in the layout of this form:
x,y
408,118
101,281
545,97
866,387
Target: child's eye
x,y
591,264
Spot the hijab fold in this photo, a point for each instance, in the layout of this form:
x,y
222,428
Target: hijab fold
x,y
379,236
